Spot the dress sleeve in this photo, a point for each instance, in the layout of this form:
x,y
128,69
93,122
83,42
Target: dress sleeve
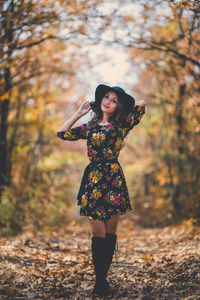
x,y
73,134
133,118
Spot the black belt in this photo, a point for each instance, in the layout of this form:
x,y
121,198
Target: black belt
x,y
87,171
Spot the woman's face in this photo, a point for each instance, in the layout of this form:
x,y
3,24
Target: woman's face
x,y
109,102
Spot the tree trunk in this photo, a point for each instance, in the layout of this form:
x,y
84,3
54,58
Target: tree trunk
x,y
178,205
4,109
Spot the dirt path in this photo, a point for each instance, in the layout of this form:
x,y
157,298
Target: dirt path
x,y
151,264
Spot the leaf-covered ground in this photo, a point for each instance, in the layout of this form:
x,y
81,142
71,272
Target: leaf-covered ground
x,y
158,264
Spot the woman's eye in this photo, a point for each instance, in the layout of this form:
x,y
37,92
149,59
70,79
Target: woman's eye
x,y
106,96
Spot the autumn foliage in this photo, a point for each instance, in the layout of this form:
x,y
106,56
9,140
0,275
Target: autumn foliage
x,y
42,53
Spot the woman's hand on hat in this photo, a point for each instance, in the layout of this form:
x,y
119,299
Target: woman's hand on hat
x,y
84,108
141,103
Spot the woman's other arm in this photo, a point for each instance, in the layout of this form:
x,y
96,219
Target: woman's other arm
x,y
65,132
83,109
134,117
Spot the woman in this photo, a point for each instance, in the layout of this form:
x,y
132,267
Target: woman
x,y
103,194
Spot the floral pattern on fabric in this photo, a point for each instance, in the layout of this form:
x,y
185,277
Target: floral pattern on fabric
x,y
103,192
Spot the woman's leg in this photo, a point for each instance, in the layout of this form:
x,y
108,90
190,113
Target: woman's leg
x,y
99,256
111,239
111,224
98,228
103,244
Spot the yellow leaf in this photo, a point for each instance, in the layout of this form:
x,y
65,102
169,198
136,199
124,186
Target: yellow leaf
x,y
5,96
73,223
128,19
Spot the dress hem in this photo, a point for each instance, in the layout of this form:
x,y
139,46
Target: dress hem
x,y
109,217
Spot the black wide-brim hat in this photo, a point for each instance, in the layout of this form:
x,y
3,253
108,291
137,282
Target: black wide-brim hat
x,y
126,100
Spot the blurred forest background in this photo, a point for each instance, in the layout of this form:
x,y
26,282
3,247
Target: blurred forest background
x,y
49,52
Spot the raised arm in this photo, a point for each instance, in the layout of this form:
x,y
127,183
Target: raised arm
x,y
134,117
65,132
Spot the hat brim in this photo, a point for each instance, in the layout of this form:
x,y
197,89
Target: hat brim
x,y
127,101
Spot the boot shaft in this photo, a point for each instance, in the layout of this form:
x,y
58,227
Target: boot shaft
x,y
99,256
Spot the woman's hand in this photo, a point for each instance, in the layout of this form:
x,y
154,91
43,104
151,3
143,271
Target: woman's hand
x,y
141,103
84,108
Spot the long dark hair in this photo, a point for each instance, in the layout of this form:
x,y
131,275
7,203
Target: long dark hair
x,y
116,118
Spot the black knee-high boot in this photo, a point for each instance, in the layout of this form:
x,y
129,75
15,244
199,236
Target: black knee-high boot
x,y
100,265
111,240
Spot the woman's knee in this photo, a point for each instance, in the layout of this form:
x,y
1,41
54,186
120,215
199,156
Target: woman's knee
x,y
111,224
98,228
98,232
112,229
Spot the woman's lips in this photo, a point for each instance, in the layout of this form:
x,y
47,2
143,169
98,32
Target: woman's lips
x,y
106,106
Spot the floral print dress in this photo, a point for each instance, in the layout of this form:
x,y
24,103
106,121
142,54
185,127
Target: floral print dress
x,y
103,191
